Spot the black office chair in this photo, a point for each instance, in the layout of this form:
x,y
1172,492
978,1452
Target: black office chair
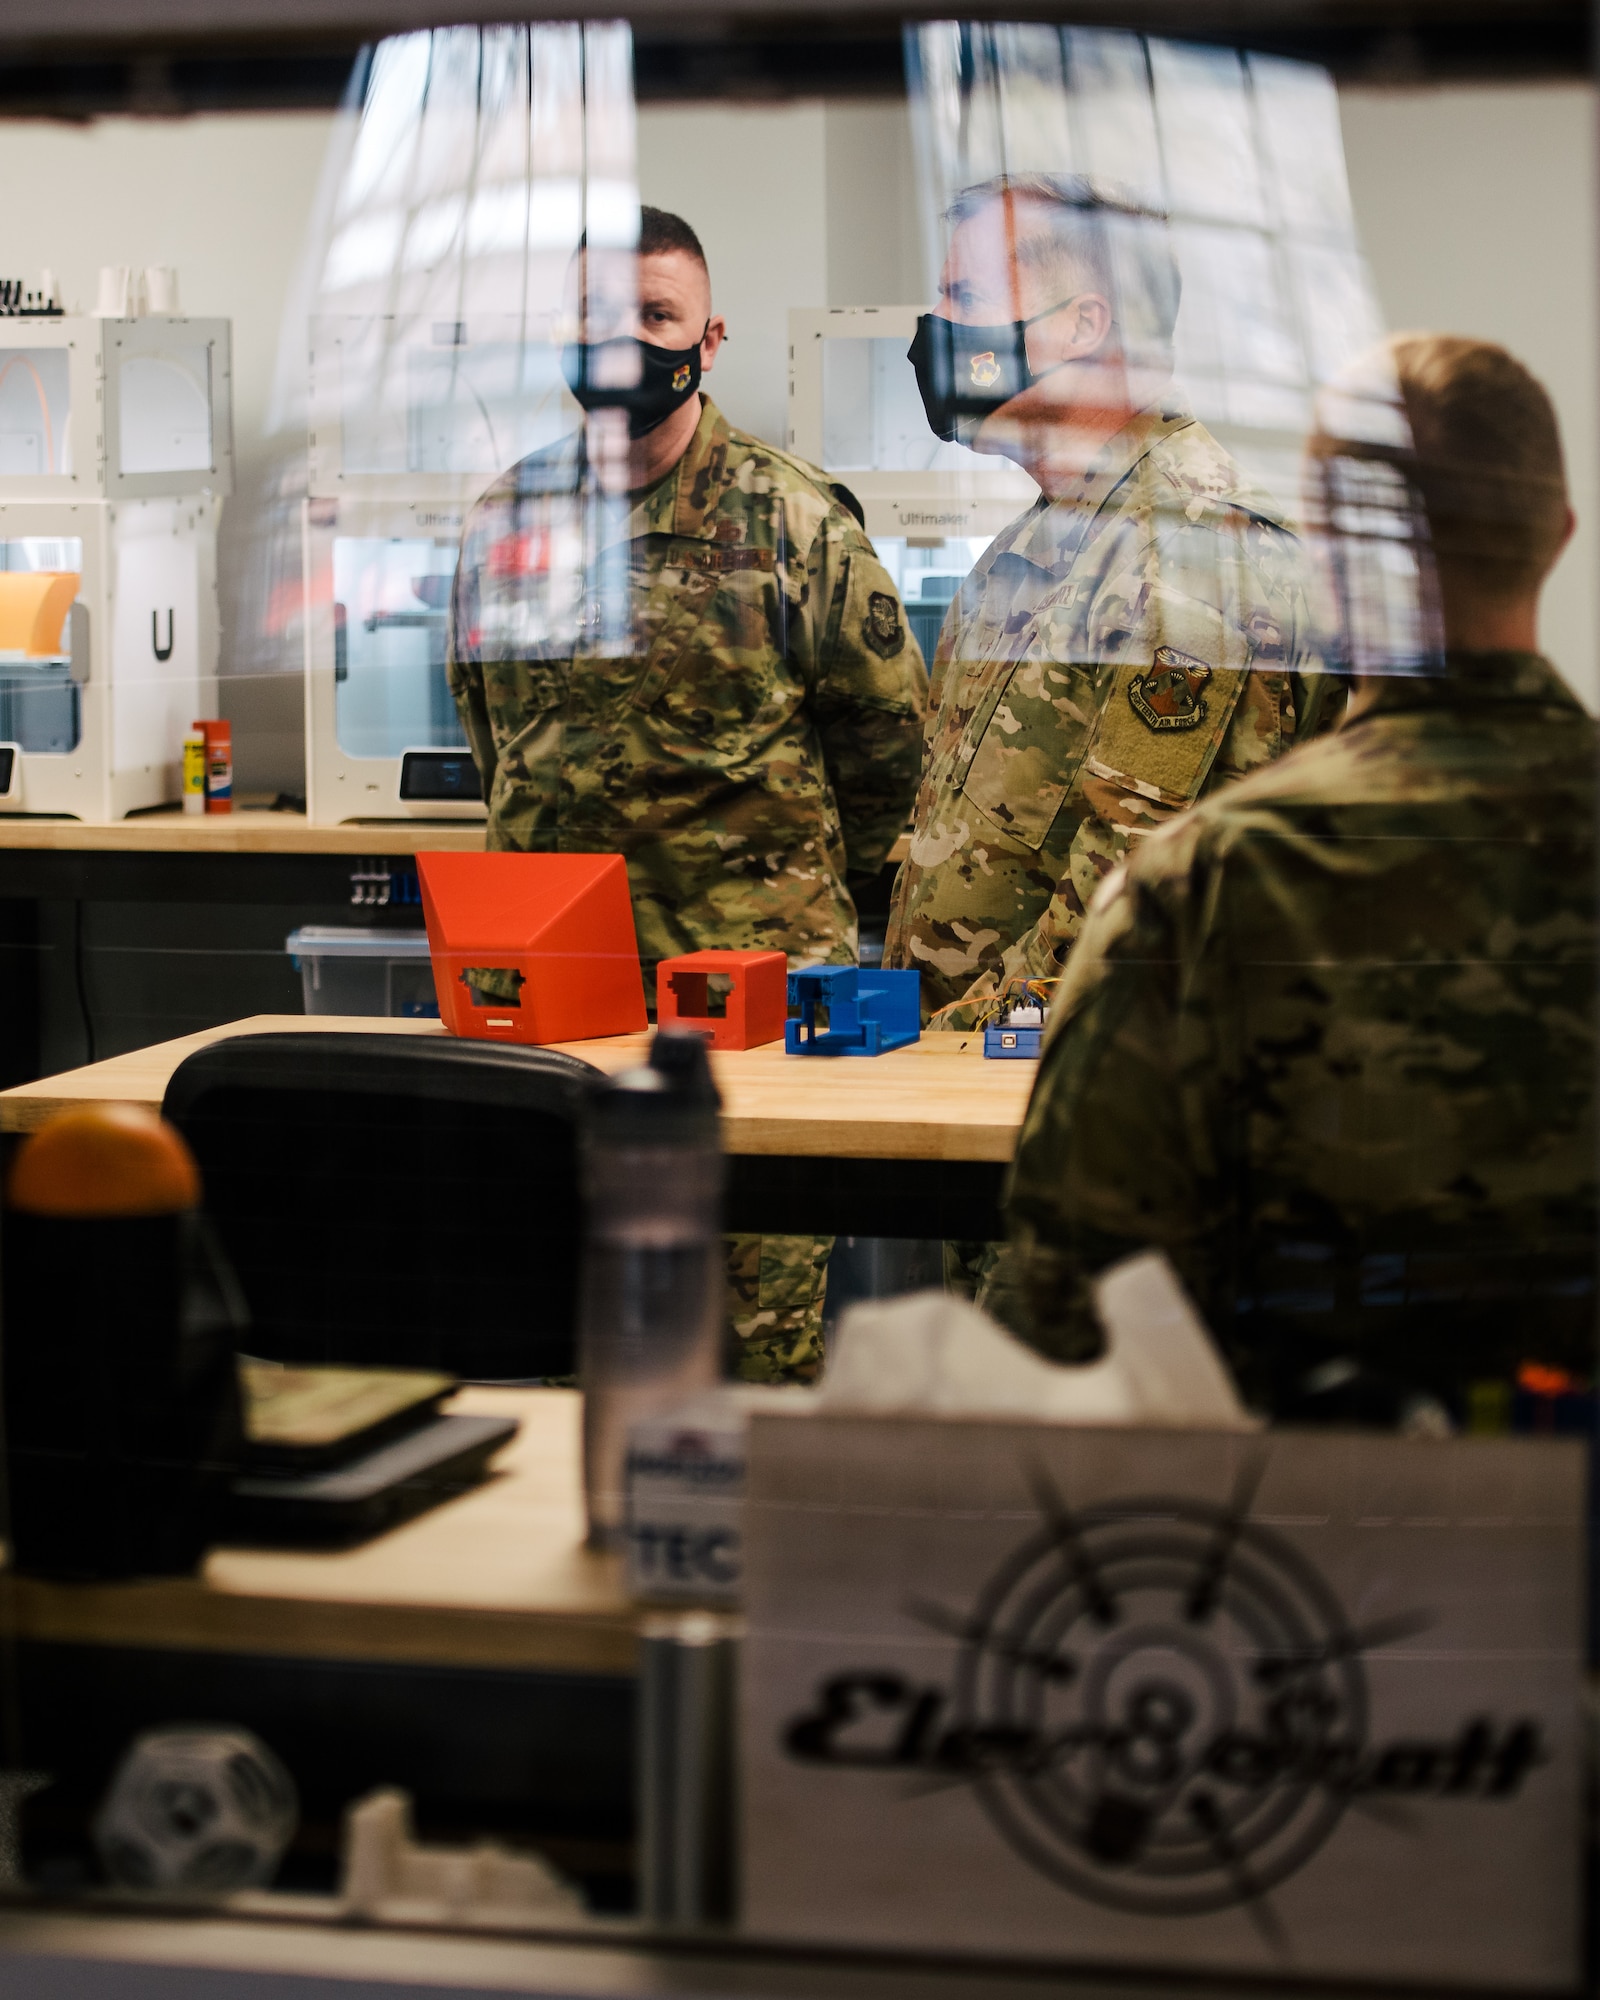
x,y
388,1200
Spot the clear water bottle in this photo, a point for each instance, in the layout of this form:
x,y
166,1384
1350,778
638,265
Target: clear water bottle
x,y
653,1300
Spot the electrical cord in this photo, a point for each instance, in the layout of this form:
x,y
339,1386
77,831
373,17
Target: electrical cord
x,y
1017,992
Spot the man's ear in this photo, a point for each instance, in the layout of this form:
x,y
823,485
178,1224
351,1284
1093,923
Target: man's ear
x,y
1087,322
715,334
1077,331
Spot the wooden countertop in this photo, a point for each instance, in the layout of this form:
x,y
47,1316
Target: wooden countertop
x,y
247,831
940,1099
171,831
497,1578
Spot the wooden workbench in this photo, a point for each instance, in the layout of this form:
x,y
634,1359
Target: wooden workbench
x,y
937,1100
497,1578
121,933
250,831
171,831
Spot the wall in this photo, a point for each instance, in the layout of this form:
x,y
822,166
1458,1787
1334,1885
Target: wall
x,y
1477,209
747,178
875,247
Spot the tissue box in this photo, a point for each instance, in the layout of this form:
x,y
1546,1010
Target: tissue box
x,y
1301,1702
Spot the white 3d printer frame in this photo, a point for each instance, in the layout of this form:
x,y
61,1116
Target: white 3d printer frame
x,y
142,639
916,504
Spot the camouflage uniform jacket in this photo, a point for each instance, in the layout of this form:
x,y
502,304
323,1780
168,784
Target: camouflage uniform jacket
x,y
758,740
1329,1041
1115,653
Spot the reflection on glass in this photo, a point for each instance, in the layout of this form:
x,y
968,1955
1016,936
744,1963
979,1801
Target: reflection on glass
x,y
458,398
1236,160
437,293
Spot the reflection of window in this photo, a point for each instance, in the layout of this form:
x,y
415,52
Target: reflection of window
x,y
1242,152
1376,539
165,400
391,619
35,403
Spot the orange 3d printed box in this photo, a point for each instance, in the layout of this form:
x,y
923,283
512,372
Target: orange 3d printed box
x,y
532,947
736,999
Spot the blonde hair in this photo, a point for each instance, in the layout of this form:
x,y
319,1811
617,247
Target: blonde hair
x,y
1484,457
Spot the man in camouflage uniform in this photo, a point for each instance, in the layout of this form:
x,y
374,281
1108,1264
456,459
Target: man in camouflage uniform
x,y
1136,639
752,748
1329,1040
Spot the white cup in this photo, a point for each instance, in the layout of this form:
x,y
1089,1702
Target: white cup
x,y
121,292
161,289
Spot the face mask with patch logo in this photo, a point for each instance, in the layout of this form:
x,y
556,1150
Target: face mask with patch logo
x,y
628,374
965,373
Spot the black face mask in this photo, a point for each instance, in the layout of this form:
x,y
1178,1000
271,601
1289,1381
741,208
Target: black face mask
x,y
666,378
966,373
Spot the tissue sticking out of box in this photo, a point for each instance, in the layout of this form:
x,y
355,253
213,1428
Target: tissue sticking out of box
x,y
1155,1331
934,1353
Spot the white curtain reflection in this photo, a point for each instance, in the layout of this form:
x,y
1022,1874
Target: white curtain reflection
x,y
1243,155
421,351
473,164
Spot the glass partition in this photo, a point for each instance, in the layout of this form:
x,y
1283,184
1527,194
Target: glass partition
x,y
1113,1497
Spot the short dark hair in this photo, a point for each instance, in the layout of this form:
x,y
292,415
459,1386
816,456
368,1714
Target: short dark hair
x,y
661,231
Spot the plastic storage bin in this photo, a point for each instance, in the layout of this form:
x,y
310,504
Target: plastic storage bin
x,y
348,971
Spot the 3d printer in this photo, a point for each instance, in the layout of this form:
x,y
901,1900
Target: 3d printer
x,y
931,508
116,448
409,422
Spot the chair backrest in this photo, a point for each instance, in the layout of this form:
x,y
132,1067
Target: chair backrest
x,y
393,1200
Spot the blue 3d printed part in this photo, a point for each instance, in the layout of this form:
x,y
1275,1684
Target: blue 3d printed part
x,y
1013,1044
869,1012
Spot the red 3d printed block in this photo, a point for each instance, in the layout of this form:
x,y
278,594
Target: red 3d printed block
x,y
756,1001
555,931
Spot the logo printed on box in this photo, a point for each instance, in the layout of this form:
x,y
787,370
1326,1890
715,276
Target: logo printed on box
x,y
685,1487
1166,1698
1160,1706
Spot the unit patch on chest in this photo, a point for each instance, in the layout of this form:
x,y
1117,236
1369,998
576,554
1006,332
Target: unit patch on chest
x,y
1171,695
881,628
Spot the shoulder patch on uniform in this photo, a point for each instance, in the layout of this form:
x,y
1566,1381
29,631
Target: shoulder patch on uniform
x,y
881,628
1171,695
